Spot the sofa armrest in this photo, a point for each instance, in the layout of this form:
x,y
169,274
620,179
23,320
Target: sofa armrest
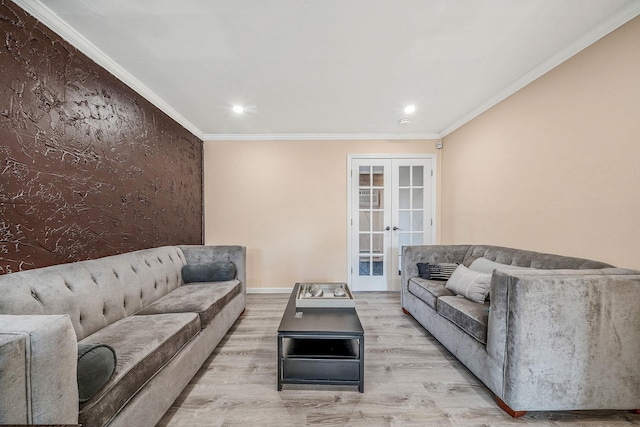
x,y
237,254
567,339
412,255
38,368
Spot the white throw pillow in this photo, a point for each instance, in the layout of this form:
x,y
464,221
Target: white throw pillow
x,y
484,265
472,285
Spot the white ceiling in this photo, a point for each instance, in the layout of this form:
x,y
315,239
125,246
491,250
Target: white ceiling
x,y
329,68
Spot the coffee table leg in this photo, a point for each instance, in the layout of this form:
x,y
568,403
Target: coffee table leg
x,y
361,385
279,362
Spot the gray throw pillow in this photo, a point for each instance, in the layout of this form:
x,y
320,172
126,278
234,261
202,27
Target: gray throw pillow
x,y
96,365
215,271
472,285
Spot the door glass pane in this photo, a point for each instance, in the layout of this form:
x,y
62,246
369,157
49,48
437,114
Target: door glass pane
x,y
418,198
377,201
365,243
418,239
364,267
404,240
418,176
377,221
405,198
418,221
365,176
405,177
404,220
377,266
377,243
378,176
365,221
365,198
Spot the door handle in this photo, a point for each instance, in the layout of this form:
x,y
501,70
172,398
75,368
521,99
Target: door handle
x,y
387,228
396,228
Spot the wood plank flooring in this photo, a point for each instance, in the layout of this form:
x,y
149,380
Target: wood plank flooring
x,y
410,380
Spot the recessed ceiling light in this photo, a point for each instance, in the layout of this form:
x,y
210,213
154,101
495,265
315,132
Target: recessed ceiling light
x,y
403,121
409,109
238,109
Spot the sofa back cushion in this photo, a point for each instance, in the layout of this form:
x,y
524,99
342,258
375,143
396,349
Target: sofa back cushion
x,y
94,293
522,258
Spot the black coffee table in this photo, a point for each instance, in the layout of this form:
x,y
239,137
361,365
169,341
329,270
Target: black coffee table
x,y
320,346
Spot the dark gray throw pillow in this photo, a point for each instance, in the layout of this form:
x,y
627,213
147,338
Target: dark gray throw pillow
x,y
424,270
96,365
440,271
443,270
216,271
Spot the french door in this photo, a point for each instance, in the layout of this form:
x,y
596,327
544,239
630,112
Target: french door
x,y
392,204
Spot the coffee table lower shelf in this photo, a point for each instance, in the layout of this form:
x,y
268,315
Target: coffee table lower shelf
x,y
321,359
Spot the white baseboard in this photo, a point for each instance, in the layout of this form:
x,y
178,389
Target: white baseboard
x,y
269,290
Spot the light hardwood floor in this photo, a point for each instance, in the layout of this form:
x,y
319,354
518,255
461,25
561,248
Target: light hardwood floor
x,y
410,380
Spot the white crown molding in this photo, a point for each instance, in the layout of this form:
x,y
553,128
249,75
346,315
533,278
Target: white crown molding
x,y
316,136
615,21
77,40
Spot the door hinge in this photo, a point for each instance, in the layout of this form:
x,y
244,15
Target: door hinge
x,y
432,173
431,221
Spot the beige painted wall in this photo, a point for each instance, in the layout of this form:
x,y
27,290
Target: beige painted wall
x,y
555,167
286,201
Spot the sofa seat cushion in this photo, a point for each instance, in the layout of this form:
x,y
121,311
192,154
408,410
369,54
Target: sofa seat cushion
x,y
471,317
428,290
206,299
143,345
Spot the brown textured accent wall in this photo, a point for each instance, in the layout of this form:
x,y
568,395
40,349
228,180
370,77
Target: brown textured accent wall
x,y
88,168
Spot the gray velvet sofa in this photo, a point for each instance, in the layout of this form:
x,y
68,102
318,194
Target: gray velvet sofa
x,y
162,330
563,335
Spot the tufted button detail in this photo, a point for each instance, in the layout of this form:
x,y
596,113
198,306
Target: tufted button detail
x,y
159,260
93,279
35,296
155,286
146,261
116,274
104,311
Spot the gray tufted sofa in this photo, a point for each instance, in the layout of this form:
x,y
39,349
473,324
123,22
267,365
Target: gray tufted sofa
x,y
162,330
564,335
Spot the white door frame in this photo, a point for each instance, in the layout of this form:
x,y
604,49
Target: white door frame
x,y
350,157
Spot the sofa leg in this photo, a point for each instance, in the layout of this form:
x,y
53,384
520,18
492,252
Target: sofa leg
x,y
405,311
508,410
